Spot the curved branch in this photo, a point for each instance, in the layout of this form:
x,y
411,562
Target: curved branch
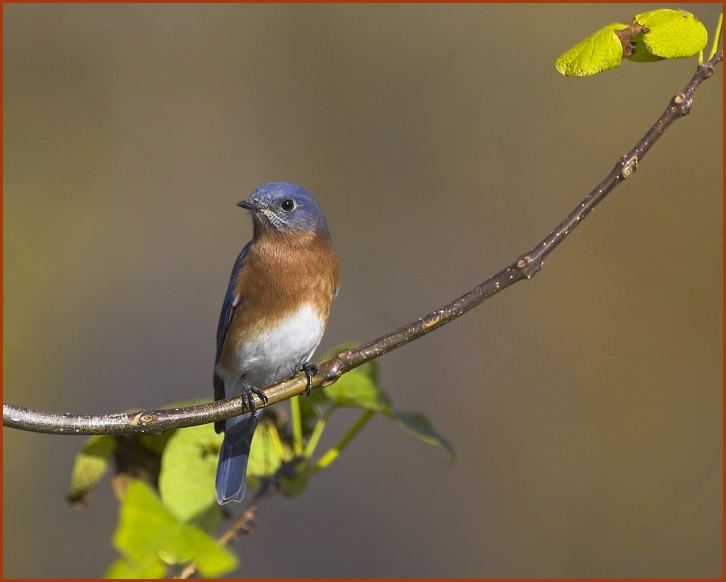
x,y
524,267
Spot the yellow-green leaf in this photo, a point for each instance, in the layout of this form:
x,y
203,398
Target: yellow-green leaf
x,y
597,53
188,466
673,34
357,389
123,570
267,451
148,533
89,467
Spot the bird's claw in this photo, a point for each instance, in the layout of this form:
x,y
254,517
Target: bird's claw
x,y
310,370
250,390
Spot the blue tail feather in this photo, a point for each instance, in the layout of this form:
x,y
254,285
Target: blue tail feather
x,y
233,457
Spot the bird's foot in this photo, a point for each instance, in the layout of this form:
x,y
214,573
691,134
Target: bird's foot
x,y
310,370
249,391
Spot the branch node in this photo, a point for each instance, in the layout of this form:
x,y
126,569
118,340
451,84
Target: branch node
x,y
529,266
682,104
332,371
523,262
139,418
629,166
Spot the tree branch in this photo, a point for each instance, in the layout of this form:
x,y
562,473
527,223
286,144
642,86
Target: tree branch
x,y
524,267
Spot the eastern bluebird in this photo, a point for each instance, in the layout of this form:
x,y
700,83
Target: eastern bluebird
x,y
274,313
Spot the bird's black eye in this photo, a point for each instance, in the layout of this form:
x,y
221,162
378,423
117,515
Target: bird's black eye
x,y
287,205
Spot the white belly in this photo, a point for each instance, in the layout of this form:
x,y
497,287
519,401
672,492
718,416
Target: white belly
x,y
277,354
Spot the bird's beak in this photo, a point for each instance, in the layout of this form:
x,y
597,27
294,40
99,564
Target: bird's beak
x,y
250,204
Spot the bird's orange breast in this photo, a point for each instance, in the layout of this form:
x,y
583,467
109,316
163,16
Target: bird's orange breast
x,y
278,277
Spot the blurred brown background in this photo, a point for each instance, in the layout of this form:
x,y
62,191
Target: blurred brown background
x,y
585,405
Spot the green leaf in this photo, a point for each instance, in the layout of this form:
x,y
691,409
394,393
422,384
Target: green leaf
x,y
155,442
597,53
89,467
358,388
268,451
318,403
123,570
673,34
417,424
212,559
369,368
148,534
188,467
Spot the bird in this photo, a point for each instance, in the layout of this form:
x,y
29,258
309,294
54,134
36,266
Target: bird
x,y
273,316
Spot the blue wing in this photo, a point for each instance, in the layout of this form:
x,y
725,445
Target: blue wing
x,y
235,450
225,318
229,305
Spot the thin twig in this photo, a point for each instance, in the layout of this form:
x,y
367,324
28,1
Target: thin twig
x,y
524,267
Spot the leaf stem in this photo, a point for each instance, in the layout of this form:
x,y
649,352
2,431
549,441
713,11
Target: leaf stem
x,y
716,36
315,437
296,420
334,452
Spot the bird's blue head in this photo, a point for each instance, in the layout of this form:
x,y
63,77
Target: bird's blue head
x,y
285,207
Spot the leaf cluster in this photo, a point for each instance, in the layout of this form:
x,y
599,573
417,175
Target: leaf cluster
x,y
648,37
165,483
